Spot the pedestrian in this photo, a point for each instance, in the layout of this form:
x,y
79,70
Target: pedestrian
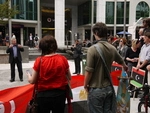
x,y
31,39
77,54
36,40
144,57
51,71
15,57
7,39
97,83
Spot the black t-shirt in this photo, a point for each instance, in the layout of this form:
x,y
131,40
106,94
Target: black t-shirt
x,y
131,54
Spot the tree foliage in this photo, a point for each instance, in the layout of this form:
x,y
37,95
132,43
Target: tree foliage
x,y
6,12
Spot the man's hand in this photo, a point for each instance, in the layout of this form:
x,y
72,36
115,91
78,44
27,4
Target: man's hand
x,y
138,66
20,46
86,87
10,46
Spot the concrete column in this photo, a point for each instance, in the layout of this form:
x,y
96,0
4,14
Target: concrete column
x,y
115,17
10,23
21,38
59,22
101,6
74,23
39,31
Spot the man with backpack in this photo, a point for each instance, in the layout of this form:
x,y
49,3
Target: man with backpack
x,y
36,40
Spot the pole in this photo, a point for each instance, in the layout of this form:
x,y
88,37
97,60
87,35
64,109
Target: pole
x,y
115,15
124,28
92,16
39,19
10,23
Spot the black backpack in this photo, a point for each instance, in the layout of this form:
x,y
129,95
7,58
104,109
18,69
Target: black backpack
x,y
36,38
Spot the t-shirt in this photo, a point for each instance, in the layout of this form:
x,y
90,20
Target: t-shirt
x,y
36,38
131,54
53,70
95,64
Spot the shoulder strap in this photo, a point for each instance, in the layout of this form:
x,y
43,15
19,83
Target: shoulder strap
x,y
113,106
101,54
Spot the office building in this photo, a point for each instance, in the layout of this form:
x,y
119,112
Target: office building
x,y
68,20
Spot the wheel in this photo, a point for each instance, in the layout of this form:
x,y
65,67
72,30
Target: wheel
x,y
141,107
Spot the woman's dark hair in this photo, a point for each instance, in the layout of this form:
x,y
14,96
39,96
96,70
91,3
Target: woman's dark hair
x,y
100,30
48,45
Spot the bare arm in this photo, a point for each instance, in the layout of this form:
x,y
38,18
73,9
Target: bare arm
x,y
142,65
69,74
32,77
87,79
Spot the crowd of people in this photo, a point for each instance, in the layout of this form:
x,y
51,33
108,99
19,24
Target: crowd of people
x,y
129,53
52,74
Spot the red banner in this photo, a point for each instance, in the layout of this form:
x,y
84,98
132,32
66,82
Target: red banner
x,y
14,100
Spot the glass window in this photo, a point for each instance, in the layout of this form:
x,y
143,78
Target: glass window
x,y
120,12
109,12
27,9
142,10
2,1
84,13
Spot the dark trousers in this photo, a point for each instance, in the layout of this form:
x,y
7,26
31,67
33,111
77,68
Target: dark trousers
x,y
30,43
77,65
19,66
55,104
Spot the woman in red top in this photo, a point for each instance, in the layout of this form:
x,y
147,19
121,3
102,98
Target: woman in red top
x,y
51,70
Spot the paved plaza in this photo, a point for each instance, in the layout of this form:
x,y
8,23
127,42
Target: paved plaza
x,y
5,77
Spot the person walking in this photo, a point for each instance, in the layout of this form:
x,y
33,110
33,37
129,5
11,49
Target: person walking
x,y
97,83
50,71
15,57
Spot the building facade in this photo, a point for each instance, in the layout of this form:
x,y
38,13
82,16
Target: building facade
x,y
69,20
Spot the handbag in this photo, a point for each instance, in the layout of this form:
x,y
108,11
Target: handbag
x,y
32,104
114,100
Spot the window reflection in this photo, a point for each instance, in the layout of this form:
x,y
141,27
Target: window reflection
x,y
109,12
142,10
27,9
120,13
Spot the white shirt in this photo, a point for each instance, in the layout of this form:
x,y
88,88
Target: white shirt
x,y
145,53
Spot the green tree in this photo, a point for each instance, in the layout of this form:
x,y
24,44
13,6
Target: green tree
x,y
7,13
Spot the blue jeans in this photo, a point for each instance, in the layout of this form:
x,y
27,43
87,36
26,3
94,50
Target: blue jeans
x,y
100,100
